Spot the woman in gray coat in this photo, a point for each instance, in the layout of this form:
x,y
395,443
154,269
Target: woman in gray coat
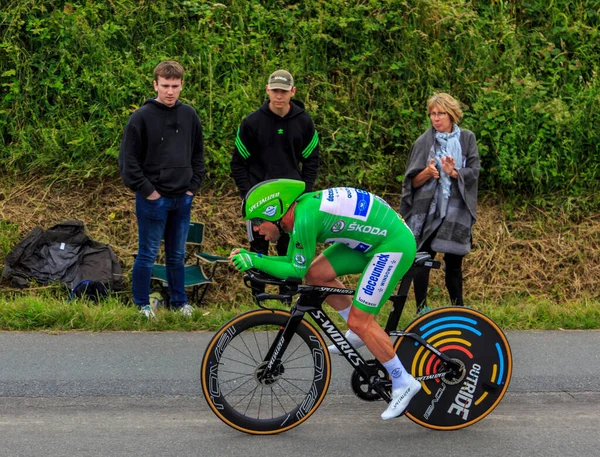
x,y
439,194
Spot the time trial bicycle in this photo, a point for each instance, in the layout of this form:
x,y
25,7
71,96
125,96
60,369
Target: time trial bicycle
x,y
268,370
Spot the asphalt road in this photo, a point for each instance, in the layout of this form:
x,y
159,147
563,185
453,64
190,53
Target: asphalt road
x,y
130,394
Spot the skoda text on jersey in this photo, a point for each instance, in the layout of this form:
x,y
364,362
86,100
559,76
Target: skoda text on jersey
x,y
375,279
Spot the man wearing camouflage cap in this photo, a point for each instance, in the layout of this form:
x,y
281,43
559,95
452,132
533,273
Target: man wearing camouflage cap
x,y
278,140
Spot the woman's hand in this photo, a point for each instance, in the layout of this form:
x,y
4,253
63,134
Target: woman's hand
x,y
448,167
432,170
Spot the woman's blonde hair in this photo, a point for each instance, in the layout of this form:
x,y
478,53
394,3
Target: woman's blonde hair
x,y
448,103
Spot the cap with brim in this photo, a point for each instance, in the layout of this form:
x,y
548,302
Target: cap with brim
x,y
281,79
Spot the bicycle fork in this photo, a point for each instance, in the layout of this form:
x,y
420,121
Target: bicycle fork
x,y
272,366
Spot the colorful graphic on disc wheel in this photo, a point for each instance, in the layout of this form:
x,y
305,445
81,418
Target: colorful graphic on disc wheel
x,y
479,346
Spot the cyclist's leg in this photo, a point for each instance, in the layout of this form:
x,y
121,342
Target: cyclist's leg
x,y
370,332
404,385
375,286
337,260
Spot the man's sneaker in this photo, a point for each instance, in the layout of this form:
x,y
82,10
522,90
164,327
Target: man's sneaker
x,y
352,338
147,311
186,310
400,399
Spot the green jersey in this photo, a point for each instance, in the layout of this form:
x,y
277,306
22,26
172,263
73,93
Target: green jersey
x,y
358,219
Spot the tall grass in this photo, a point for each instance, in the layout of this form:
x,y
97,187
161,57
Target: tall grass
x,y
527,72
49,311
9,235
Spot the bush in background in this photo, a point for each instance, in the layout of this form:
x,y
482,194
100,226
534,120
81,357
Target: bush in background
x,y
72,72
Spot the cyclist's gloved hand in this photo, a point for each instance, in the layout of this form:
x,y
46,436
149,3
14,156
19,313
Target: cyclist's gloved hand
x,y
243,260
238,251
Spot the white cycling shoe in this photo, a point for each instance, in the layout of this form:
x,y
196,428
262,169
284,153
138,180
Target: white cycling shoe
x,y
352,338
400,399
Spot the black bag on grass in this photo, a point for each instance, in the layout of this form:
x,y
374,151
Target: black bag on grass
x,y
89,289
63,253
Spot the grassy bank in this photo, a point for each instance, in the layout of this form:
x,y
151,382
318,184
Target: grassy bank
x,y
45,312
527,269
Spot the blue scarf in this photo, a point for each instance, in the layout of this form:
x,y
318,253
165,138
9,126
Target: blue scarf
x,y
448,144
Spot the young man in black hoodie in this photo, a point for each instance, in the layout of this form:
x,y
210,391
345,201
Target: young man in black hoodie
x,y
278,140
162,161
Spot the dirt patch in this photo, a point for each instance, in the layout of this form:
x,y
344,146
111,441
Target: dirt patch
x,y
533,254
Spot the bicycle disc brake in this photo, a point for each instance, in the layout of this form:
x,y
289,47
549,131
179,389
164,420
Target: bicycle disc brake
x,y
274,375
362,388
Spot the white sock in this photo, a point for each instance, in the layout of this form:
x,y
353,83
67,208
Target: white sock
x,y
397,373
345,313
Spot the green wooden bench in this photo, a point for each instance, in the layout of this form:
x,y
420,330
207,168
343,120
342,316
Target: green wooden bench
x,y
197,278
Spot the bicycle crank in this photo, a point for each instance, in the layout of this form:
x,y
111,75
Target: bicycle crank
x,y
456,375
365,389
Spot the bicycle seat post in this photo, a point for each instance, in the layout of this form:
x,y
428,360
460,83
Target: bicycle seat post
x,y
422,260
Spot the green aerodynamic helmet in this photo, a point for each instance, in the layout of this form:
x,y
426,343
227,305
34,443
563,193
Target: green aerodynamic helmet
x,y
270,200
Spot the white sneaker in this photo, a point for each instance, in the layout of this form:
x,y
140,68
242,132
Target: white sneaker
x,y
147,311
400,399
352,338
186,310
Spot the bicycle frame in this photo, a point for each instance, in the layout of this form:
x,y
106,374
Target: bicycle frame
x,y
311,300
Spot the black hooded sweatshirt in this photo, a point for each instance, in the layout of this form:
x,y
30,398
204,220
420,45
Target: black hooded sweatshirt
x,y
163,150
268,146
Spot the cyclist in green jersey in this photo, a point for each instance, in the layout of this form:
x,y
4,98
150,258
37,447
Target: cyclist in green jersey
x,y
366,235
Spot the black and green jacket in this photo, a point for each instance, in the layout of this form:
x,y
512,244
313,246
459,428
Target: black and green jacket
x,y
268,146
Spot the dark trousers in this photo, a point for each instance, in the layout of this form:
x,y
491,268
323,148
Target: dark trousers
x,y
168,218
454,278
261,246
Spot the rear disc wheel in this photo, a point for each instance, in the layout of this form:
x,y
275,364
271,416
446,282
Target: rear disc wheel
x,y
468,394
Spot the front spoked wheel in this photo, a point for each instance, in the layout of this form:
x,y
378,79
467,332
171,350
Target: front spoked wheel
x,y
469,393
233,367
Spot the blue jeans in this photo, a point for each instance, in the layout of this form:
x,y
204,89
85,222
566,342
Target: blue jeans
x,y
168,218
